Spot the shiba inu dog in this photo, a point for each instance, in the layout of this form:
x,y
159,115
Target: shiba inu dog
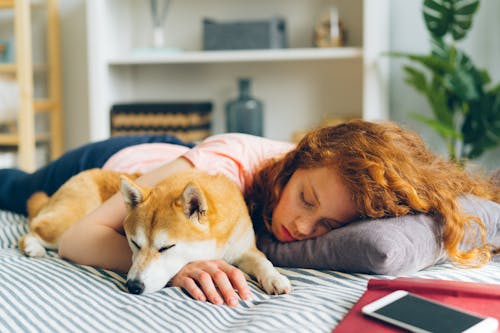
x,y
189,216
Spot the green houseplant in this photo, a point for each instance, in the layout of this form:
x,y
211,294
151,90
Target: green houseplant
x,y
465,106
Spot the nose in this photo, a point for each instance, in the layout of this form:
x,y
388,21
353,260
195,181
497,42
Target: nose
x,y
135,286
305,227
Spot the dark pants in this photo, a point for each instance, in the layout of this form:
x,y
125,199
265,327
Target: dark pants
x,y
16,186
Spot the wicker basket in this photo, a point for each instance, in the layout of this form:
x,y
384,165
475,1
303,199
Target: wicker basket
x,y
188,121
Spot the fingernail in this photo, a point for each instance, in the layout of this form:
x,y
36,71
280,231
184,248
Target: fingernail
x,y
232,301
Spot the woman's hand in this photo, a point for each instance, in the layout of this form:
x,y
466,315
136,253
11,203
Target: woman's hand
x,y
201,279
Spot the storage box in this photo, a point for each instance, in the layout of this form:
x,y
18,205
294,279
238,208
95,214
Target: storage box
x,y
186,120
244,35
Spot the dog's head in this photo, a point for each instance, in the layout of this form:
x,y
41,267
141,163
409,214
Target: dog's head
x,y
166,227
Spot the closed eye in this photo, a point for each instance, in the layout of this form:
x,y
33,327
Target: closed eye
x,y
304,201
165,248
135,244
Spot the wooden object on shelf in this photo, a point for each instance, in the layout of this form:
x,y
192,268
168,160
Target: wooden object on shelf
x,y
25,138
329,31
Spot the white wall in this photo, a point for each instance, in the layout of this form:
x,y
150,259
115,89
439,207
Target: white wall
x,y
408,34
74,72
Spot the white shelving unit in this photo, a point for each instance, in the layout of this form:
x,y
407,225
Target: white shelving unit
x,y
239,56
300,86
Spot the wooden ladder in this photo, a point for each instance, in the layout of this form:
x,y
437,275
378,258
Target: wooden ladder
x,y
25,138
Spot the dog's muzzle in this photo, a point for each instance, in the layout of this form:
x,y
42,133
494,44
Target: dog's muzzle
x,y
135,286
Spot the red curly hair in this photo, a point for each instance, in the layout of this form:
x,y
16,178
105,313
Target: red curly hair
x,y
390,172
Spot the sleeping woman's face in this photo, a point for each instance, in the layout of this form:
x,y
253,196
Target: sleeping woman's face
x,y
313,202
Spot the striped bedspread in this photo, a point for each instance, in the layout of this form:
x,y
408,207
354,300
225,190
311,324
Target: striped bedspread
x,y
53,295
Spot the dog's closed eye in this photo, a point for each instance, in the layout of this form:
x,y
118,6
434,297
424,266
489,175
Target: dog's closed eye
x,y
165,248
135,244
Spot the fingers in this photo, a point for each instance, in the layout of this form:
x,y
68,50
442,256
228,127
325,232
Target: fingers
x,y
238,281
192,288
215,281
208,284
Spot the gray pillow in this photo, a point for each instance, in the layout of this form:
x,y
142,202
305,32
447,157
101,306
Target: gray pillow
x,y
392,246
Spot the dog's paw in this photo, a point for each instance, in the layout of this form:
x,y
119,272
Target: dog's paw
x,y
276,284
31,246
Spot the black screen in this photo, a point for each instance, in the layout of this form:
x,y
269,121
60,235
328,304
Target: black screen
x,y
428,315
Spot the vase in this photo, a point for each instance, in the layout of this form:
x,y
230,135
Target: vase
x,y
159,10
245,114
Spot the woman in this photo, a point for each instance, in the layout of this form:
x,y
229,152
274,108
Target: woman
x,y
335,175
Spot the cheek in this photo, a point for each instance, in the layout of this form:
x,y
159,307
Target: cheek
x,y
283,212
286,209
276,218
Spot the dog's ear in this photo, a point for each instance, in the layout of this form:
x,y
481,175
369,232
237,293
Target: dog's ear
x,y
132,193
195,205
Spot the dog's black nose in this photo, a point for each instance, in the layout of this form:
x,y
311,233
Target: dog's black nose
x,y
135,286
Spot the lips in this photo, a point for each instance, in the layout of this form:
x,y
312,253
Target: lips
x,y
285,234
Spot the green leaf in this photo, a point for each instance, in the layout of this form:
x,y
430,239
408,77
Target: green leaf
x,y
437,16
463,13
496,89
416,79
481,127
462,84
464,81
442,129
439,101
449,16
432,63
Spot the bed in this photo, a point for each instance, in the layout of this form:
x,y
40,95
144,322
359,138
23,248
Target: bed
x,y
53,295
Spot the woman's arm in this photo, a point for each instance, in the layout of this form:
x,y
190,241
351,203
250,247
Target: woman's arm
x,y
98,238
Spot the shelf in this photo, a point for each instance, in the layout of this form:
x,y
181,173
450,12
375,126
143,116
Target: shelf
x,y
8,68
12,139
43,105
6,4
9,4
151,56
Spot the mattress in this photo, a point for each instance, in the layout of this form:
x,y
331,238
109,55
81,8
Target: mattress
x,y
53,295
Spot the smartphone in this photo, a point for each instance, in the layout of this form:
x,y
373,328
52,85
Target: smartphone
x,y
418,314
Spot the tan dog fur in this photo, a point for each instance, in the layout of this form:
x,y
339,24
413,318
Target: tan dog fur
x,y
187,217
50,217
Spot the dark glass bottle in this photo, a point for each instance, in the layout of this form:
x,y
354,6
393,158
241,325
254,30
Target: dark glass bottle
x,y
245,114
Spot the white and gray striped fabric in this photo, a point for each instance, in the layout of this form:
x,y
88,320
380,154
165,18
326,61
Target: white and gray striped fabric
x,y
53,295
